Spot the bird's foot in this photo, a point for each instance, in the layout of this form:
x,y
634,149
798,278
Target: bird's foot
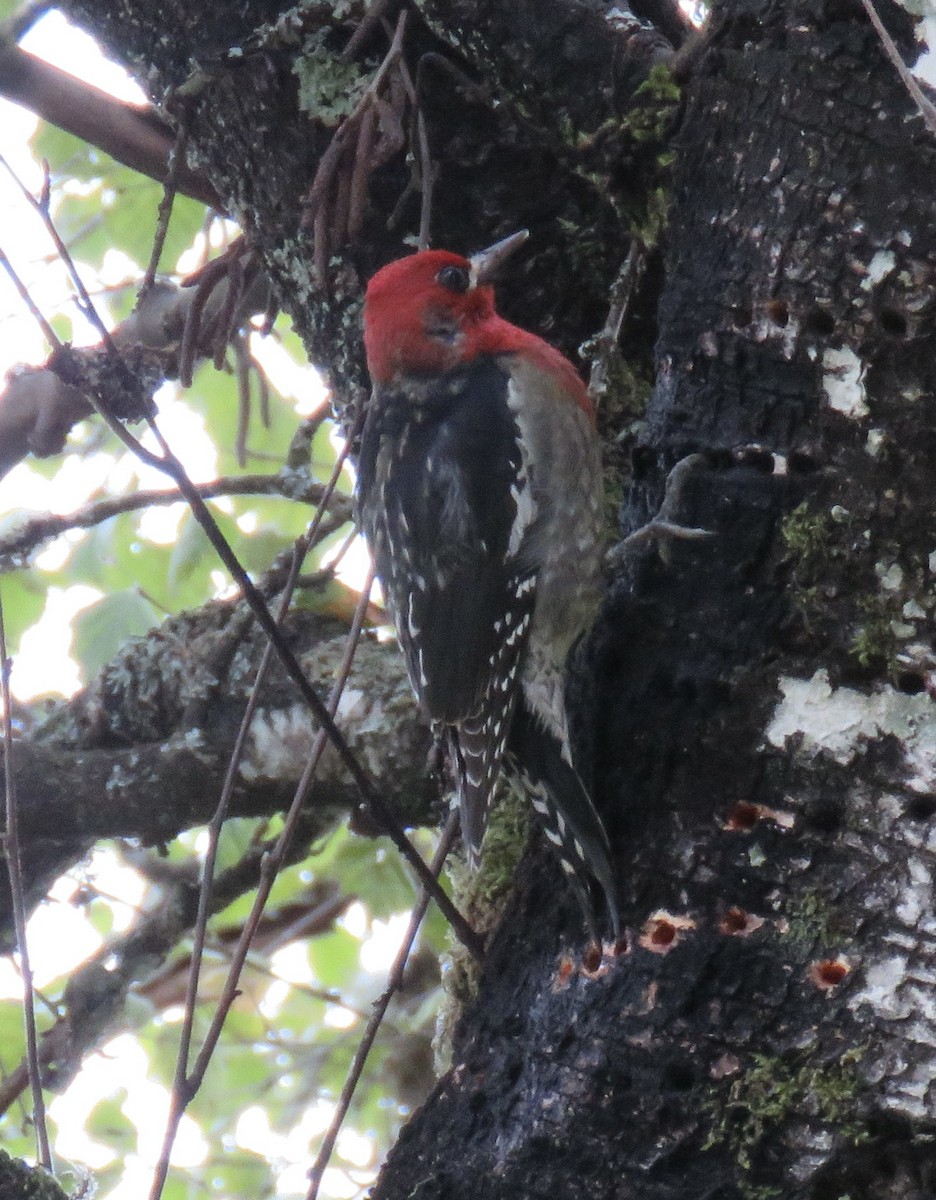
x,y
664,528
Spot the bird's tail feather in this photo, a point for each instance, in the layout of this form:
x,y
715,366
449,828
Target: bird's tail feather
x,y
568,815
475,761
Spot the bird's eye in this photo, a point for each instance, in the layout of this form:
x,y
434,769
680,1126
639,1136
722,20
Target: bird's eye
x,y
455,279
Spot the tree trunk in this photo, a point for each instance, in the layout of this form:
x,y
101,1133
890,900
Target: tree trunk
x,y
755,710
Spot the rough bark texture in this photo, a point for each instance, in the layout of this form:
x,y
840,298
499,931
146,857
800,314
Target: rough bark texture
x,y
142,752
756,712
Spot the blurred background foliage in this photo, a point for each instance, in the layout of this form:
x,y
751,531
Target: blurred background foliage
x,y
255,1125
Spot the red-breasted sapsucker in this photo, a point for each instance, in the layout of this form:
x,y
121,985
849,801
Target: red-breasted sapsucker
x,y
479,492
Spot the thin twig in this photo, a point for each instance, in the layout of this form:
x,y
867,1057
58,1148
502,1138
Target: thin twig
x,y
168,463
606,343
155,936
317,206
35,530
226,320
182,1089
926,107
371,797
47,331
85,303
205,281
185,1086
394,980
15,872
368,23
242,376
164,213
263,387
426,173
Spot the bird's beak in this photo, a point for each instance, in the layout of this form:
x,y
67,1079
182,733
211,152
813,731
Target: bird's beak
x,y
486,262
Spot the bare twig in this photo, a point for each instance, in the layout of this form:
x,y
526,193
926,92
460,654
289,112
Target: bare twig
x,y
263,387
369,23
242,375
186,1085
228,266
335,203
164,214
47,331
371,797
15,872
226,320
182,1088
85,303
424,172
36,530
167,462
926,107
394,980
74,1035
606,343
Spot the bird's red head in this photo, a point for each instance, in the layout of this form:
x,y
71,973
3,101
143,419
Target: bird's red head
x,y
424,314
434,311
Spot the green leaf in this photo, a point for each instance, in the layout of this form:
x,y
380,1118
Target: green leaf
x,y
23,594
103,628
235,840
334,958
241,1175
177,1188
12,1035
193,557
101,916
108,1123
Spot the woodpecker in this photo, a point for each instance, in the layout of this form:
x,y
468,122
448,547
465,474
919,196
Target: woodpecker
x,y
479,493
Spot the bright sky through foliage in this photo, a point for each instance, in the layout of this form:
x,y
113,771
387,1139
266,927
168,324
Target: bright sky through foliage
x,y
118,1083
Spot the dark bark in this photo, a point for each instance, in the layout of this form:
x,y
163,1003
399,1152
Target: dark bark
x,y
780,1044
755,711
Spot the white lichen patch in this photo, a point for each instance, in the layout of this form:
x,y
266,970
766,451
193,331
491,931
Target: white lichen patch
x,y
895,996
279,739
878,268
884,989
916,895
842,721
891,576
843,382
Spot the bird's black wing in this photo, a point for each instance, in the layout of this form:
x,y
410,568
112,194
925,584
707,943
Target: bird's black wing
x,y
445,505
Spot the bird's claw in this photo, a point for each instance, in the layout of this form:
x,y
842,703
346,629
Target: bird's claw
x,y
664,528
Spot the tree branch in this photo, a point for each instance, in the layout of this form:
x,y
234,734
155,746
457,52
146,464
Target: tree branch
x,y
39,405
34,530
139,753
133,135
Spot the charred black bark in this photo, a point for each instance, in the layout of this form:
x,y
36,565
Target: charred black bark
x,y
234,80
769,1030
